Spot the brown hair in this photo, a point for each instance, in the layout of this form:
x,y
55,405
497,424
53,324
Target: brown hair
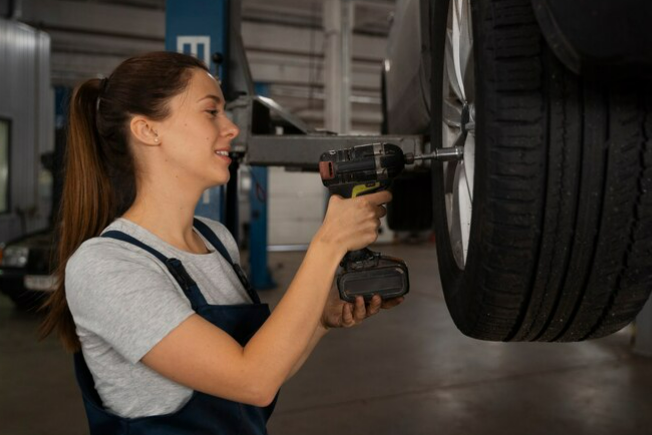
x,y
100,171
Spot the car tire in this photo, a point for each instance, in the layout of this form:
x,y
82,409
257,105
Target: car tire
x,y
560,236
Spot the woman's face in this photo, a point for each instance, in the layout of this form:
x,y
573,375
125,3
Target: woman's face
x,y
196,130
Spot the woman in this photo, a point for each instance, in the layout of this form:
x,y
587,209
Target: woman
x,y
172,338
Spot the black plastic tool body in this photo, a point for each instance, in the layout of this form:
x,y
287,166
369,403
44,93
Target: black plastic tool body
x,y
358,171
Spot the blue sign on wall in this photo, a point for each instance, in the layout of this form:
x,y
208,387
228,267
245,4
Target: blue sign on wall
x,y
197,27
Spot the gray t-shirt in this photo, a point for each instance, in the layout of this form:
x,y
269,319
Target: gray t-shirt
x,y
124,301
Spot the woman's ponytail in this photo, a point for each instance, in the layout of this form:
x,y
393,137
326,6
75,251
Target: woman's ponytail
x,y
86,202
100,170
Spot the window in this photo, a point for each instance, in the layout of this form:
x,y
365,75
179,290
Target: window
x,y
4,165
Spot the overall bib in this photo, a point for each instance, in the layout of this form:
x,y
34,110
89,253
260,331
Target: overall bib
x,y
202,414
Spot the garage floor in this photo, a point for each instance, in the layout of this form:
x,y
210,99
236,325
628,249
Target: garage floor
x,y
405,372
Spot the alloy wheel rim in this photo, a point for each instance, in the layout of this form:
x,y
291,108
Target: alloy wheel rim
x,y
458,119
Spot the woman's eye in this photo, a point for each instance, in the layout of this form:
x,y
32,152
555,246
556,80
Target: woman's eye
x,y
212,112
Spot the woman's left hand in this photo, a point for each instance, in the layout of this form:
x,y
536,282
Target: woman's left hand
x,y
341,314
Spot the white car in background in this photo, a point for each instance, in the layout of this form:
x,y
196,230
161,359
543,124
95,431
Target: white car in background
x,y
26,266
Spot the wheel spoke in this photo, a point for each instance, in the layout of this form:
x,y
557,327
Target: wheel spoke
x,y
464,206
450,67
452,114
469,163
459,44
449,176
466,48
469,79
461,217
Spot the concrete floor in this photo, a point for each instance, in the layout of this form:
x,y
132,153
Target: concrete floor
x,y
405,372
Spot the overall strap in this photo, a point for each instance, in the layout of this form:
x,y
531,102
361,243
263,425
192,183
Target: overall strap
x,y
217,243
187,284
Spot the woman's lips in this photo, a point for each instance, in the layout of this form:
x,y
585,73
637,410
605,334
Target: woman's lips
x,y
223,154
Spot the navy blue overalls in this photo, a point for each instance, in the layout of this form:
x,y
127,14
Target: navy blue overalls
x,y
203,414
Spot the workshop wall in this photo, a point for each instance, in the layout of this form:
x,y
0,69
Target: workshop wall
x,y
284,41
27,107
296,206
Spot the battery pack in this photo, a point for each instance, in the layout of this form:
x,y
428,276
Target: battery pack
x,y
374,275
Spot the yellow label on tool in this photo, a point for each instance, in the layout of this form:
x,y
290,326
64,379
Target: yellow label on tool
x,y
363,188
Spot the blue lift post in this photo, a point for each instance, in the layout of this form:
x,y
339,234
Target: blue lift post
x,y
200,28
259,273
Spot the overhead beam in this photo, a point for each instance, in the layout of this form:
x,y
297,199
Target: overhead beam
x,y
98,18
294,69
261,36
74,42
101,19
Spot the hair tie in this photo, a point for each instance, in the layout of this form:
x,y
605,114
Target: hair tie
x,y
101,90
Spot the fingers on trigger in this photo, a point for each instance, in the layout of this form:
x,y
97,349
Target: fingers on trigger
x,y
347,314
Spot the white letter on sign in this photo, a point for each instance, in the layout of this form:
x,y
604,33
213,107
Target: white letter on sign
x,y
194,42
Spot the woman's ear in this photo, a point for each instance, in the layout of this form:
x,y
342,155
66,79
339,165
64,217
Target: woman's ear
x,y
144,130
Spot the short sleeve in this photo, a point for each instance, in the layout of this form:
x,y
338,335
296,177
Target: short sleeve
x,y
123,296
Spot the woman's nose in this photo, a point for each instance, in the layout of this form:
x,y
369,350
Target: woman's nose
x,y
229,129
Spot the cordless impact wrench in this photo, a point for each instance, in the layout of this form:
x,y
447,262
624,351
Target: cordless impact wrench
x,y
356,171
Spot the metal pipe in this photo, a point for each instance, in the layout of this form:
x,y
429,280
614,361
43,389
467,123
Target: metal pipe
x,y
338,29
443,154
348,20
332,64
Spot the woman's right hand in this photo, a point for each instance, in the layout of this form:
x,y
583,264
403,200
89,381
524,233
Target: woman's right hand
x,y
352,224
